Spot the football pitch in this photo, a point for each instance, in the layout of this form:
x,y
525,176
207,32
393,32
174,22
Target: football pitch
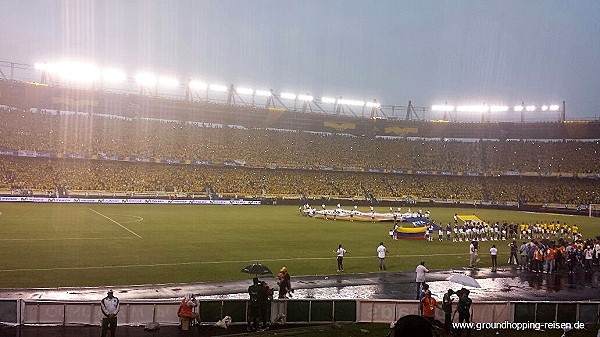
x,y
55,245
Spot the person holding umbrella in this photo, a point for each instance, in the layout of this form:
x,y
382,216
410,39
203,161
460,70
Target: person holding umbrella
x,y
464,309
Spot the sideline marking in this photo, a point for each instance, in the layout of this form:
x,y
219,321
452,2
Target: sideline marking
x,y
60,239
211,262
125,228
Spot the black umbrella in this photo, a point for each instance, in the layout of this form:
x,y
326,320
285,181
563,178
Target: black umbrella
x,y
256,268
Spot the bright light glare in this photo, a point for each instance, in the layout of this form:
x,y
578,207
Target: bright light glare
x,y
472,108
218,87
306,98
442,107
518,108
530,108
75,71
145,79
168,82
113,75
288,95
244,91
544,107
498,108
198,85
264,93
554,107
328,100
373,105
350,102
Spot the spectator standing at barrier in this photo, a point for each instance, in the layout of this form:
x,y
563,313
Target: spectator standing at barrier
x,y
381,251
186,311
421,270
256,292
523,256
110,309
447,307
340,257
464,309
429,305
284,283
494,256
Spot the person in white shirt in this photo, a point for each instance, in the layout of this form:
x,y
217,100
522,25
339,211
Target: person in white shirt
x,y
494,255
381,250
110,308
420,271
472,254
340,257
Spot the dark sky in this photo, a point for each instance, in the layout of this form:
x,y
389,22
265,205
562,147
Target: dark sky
x,y
460,52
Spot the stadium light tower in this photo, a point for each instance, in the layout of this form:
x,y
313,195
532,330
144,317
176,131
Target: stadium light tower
x,y
147,81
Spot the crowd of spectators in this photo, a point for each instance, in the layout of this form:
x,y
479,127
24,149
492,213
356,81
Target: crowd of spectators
x,y
309,154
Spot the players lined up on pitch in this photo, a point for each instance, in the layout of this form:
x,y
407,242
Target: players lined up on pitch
x,y
502,231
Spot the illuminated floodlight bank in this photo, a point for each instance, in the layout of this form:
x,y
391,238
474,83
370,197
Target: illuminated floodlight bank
x,y
113,75
499,108
244,91
287,95
168,82
329,100
350,102
305,98
145,79
554,107
263,93
518,108
472,108
71,71
218,87
373,105
530,108
442,107
198,85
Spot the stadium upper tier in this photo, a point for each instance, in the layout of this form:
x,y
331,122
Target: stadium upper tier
x,y
27,95
83,135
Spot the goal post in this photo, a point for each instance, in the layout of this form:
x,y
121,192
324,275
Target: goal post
x,y
594,210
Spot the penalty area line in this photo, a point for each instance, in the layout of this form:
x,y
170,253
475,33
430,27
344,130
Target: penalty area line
x,y
112,220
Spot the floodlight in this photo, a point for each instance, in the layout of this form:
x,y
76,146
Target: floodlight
x,y
350,102
373,105
145,79
328,100
218,87
197,85
530,108
442,107
244,91
113,75
554,107
544,107
168,82
498,108
518,108
264,93
288,95
306,98
77,71
472,108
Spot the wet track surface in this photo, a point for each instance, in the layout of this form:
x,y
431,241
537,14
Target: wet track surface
x,y
505,284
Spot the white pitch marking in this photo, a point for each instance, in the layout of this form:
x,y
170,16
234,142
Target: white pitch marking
x,y
59,239
125,228
208,263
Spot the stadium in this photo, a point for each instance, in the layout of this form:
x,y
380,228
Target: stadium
x,y
165,187
69,154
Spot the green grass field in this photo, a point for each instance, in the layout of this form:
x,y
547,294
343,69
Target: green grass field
x,y
50,245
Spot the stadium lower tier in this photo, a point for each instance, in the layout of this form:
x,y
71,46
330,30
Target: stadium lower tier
x,y
64,175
